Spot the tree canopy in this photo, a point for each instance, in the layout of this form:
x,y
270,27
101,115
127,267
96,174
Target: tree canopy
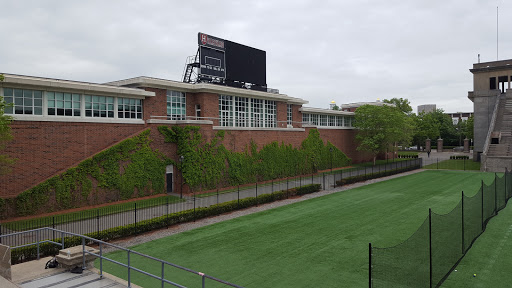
x,y
5,136
403,104
380,127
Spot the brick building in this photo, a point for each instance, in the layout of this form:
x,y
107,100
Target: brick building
x,y
59,123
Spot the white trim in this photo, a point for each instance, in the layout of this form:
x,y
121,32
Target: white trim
x,y
259,129
71,119
143,81
310,110
199,122
36,83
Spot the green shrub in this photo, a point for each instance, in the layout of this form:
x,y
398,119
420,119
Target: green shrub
x,y
364,177
459,157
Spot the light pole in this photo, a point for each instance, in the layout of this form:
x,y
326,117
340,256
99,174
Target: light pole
x,y
181,164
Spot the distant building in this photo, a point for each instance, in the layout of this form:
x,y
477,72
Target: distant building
x,y
427,108
459,116
351,107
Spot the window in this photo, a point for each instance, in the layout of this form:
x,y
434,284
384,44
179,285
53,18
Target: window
x,y
339,120
129,108
257,113
323,120
63,104
305,118
28,102
225,110
270,113
332,120
176,105
289,115
99,106
242,112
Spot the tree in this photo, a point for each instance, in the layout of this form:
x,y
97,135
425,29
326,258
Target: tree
x,y
5,136
335,107
380,127
403,104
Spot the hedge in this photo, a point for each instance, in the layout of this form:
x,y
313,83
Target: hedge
x,y
459,157
46,249
360,178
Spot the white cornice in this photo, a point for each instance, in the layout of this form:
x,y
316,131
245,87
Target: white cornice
x,y
325,111
143,81
19,81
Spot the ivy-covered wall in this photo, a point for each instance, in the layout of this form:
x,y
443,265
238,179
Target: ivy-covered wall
x,y
209,165
126,170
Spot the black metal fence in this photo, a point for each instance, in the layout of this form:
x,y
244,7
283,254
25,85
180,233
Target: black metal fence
x,y
428,257
92,222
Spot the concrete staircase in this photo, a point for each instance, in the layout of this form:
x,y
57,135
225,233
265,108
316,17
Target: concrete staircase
x,y
499,154
502,131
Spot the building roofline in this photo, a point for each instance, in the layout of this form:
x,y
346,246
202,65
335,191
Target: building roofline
x,y
491,66
84,87
324,111
150,82
359,104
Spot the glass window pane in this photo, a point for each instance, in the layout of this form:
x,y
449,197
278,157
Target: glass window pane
x,y
76,97
51,111
50,95
88,113
8,92
38,102
38,95
88,98
60,104
8,100
18,93
28,110
110,99
27,101
110,106
68,112
27,94
67,105
59,96
101,99
18,109
8,110
67,96
51,104
18,101
38,111
77,112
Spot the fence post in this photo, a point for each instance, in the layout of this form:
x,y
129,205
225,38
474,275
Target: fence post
x,y
217,195
98,223
167,211
135,217
370,265
463,250
129,278
53,226
238,192
482,205
341,177
194,206
256,193
437,163
430,242
495,194
464,164
286,189
311,176
272,191
323,175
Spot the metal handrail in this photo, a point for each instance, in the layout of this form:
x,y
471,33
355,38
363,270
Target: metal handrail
x,y
101,257
491,126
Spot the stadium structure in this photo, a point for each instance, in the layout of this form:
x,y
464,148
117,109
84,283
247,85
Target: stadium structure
x,y
60,123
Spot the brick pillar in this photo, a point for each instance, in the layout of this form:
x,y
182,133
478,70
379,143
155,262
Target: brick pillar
x,y
466,145
428,145
439,145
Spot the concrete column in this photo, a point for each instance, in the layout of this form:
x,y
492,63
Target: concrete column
x,y
428,145
466,145
439,145
5,262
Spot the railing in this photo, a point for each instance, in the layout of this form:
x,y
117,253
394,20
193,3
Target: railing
x,y
491,126
101,257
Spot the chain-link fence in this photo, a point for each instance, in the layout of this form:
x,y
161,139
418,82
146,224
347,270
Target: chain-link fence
x,y
428,257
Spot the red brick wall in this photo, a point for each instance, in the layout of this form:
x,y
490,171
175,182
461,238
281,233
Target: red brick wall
x,y
157,105
281,114
44,149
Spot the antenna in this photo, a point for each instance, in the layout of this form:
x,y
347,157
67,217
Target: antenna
x,y
497,15
478,57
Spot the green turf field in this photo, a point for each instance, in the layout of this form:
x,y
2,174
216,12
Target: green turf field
x,y
490,258
322,242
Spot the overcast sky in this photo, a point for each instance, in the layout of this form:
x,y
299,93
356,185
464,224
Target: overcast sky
x,y
346,51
